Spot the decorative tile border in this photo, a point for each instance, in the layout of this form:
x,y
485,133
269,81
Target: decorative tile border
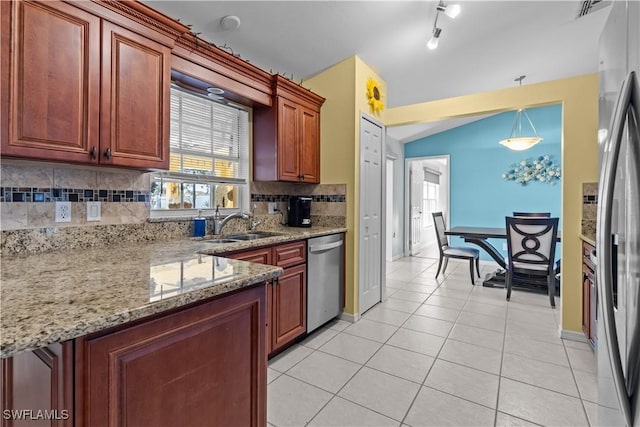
x,y
327,198
34,194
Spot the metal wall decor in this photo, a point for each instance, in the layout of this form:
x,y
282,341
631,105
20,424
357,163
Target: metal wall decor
x,y
540,169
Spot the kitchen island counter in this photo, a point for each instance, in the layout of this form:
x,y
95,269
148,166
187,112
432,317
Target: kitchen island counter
x,y
58,296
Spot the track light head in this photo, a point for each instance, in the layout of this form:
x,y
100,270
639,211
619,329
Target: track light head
x,y
451,10
433,41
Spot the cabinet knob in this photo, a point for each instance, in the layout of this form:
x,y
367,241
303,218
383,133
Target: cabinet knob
x,y
107,153
94,152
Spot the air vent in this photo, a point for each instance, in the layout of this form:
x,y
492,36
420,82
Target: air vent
x,y
590,6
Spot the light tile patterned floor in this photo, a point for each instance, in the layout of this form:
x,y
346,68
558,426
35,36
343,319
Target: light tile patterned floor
x,y
435,353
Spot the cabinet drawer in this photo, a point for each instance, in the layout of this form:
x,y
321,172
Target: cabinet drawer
x,y
261,256
290,254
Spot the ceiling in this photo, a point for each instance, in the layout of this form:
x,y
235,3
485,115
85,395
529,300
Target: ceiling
x,y
483,49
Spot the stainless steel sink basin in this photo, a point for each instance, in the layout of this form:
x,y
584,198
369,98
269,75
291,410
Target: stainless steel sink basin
x,y
220,241
235,238
252,236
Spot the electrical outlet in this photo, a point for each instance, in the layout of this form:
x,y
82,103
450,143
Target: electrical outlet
x,y
93,211
63,211
272,208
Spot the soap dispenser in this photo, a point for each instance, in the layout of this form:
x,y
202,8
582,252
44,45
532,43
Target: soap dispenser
x,y
199,225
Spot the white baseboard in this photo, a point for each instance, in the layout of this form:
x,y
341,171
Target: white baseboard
x,y
353,318
573,336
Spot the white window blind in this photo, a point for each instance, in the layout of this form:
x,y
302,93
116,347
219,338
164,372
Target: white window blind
x,y
208,138
209,156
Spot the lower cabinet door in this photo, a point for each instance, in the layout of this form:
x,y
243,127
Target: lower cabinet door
x,y
289,306
202,366
37,387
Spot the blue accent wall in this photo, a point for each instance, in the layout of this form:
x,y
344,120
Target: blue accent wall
x,y
479,195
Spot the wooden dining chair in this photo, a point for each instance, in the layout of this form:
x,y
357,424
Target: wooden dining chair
x,y
459,252
532,214
531,248
540,215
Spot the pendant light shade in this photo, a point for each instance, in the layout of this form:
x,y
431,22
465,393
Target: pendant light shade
x,y
517,141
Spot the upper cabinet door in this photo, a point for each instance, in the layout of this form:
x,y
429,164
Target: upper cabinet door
x,y
309,146
288,146
50,81
135,100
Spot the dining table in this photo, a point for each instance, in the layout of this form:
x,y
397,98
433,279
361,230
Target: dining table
x,y
480,236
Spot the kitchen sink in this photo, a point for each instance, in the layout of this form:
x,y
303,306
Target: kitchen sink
x,y
253,235
235,238
220,241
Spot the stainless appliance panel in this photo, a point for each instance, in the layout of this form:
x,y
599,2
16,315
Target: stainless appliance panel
x,y
324,279
618,234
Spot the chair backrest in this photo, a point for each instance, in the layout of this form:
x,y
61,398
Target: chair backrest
x,y
438,222
531,242
532,214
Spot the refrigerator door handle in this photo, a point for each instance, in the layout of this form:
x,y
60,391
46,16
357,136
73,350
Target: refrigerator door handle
x,y
603,238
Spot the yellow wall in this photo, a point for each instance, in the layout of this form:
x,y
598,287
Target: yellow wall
x,y
344,87
579,99
337,155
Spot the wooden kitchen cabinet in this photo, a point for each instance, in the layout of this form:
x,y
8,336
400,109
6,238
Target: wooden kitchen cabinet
x,y
287,135
201,366
589,293
289,306
39,380
78,88
286,316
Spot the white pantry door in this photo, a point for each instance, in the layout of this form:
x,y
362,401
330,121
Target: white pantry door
x,y
370,265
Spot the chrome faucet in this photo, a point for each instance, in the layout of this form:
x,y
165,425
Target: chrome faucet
x,y
219,224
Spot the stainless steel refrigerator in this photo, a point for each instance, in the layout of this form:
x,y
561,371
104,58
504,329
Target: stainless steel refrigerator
x,y
618,231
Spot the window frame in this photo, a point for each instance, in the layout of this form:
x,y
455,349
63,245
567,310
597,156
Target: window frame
x,y
186,178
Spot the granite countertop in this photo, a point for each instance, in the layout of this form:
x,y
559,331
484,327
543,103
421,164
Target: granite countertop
x,y
57,296
285,234
589,238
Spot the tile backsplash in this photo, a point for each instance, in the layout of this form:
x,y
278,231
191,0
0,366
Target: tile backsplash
x,y
589,208
29,190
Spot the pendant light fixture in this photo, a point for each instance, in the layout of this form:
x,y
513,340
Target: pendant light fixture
x,y
519,141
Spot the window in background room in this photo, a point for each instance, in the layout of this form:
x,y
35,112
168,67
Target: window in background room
x,y
209,164
430,197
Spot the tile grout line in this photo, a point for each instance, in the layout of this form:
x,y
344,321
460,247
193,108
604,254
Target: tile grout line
x,y
575,382
435,359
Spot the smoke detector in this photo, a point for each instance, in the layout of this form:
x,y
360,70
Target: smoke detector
x,y
230,23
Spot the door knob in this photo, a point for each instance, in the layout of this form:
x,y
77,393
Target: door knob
x,y
107,153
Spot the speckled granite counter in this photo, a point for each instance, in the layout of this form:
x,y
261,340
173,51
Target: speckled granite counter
x,y
53,297
589,238
58,296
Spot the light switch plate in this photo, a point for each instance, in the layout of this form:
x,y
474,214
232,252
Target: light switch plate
x,y
63,212
93,211
272,208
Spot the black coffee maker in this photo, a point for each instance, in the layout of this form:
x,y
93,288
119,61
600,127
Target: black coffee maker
x,y
299,211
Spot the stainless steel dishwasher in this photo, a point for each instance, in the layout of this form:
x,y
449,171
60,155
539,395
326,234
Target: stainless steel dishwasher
x,y
324,279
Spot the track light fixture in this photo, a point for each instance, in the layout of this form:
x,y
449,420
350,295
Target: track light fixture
x,y
451,10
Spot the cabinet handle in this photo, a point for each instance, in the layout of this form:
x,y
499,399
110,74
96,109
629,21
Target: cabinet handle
x,y
107,153
94,153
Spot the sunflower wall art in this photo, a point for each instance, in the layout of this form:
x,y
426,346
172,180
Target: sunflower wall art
x,y
374,93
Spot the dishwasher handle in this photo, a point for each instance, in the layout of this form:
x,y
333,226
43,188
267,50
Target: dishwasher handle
x,y
325,247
